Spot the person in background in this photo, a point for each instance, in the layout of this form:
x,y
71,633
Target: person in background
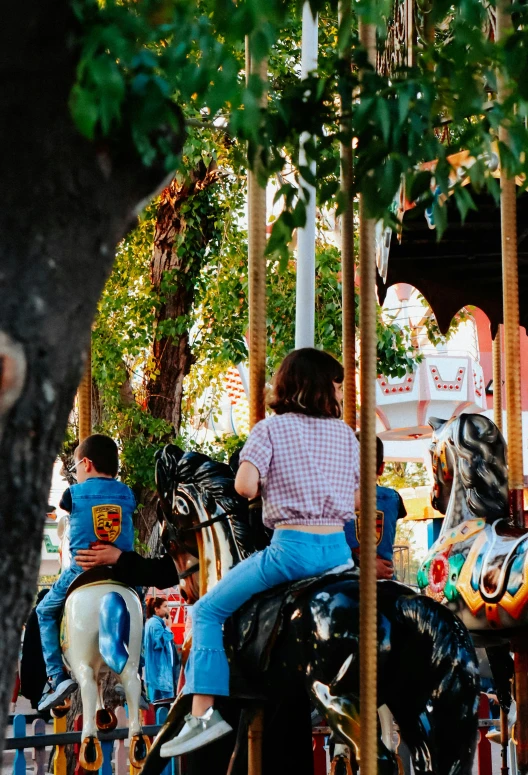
x,y
390,508
159,655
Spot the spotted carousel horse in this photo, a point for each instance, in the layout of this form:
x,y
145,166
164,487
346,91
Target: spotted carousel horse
x,y
478,566
303,638
101,630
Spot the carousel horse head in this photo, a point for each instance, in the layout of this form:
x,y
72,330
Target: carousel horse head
x,y
204,519
469,468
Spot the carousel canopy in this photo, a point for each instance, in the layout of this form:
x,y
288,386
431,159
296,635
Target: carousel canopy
x,y
464,267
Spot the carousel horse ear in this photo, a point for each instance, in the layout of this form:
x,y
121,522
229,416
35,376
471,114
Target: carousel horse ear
x,y
436,423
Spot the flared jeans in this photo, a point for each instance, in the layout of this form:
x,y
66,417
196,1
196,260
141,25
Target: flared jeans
x,y
291,556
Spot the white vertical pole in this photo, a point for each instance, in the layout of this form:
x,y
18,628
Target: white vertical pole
x,y
305,287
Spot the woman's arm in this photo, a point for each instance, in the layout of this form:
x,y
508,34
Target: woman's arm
x,y
247,482
130,567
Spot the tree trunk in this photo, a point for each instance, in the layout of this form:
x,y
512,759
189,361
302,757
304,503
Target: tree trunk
x,y
184,227
69,201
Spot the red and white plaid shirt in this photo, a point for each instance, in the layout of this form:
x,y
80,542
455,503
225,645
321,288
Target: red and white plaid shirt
x,y
309,469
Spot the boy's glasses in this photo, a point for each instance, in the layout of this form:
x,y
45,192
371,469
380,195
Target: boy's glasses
x,y
73,469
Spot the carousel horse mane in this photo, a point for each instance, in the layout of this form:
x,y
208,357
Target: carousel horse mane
x,y
481,452
214,481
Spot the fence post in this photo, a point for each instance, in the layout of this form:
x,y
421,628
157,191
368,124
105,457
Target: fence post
x,y
484,745
39,753
77,727
59,760
108,748
19,730
161,715
121,761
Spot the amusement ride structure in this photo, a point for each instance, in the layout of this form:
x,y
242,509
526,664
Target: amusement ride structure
x,y
439,386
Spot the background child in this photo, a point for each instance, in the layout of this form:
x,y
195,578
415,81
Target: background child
x,y
390,508
305,460
100,509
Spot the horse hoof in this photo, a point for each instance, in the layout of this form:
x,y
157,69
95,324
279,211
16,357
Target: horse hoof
x,y
139,748
341,765
59,711
91,754
105,719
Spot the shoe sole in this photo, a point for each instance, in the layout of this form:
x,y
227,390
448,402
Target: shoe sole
x,y
58,699
208,736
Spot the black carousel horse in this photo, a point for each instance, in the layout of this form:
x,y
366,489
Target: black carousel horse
x,y
302,639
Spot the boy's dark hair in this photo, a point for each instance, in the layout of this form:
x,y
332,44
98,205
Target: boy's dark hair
x,y
304,384
380,452
102,451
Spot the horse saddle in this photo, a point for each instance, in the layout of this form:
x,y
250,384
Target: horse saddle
x,y
498,556
97,575
253,630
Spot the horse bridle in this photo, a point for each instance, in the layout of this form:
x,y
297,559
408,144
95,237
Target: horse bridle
x,y
175,535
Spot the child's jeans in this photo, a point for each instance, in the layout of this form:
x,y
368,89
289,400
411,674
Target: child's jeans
x,y
292,555
49,612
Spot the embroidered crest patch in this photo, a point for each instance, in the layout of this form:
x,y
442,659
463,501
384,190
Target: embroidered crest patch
x,y
380,518
107,522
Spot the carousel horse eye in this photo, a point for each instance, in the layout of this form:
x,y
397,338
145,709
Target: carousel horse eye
x,y
182,506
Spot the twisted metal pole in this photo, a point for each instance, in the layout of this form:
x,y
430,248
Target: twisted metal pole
x,y
347,241
368,648
257,347
84,398
256,277
510,301
497,380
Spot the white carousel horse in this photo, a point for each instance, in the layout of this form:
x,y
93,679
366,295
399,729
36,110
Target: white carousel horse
x,y
102,630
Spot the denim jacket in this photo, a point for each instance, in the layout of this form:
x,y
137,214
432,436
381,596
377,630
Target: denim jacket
x,y
158,656
101,511
389,508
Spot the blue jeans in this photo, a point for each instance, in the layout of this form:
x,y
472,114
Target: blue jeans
x,y
292,555
49,612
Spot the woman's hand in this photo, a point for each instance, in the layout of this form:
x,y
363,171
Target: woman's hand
x,y
100,554
384,569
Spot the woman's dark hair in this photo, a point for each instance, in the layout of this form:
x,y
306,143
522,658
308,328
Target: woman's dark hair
x,y
304,384
102,451
152,603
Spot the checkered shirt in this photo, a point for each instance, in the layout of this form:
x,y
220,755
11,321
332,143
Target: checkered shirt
x,y
309,469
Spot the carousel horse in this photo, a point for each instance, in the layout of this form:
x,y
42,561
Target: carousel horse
x,y
101,630
303,637
478,566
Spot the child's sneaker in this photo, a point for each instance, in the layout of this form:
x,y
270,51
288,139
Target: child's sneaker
x,y
197,731
57,693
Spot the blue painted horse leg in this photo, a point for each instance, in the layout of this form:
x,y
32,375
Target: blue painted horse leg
x,y
114,631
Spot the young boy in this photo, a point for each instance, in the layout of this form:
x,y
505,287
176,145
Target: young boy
x,y
390,508
100,510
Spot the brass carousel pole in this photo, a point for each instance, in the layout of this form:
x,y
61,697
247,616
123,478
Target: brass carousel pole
x,y
497,379
347,242
84,398
510,297
368,649
257,349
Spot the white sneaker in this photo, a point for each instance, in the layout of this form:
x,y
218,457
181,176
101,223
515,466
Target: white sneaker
x,y
54,697
197,731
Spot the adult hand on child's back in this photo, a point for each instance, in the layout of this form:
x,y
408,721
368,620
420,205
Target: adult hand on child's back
x,y
99,554
384,569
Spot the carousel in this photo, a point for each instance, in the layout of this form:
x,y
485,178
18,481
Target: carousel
x,y
477,572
